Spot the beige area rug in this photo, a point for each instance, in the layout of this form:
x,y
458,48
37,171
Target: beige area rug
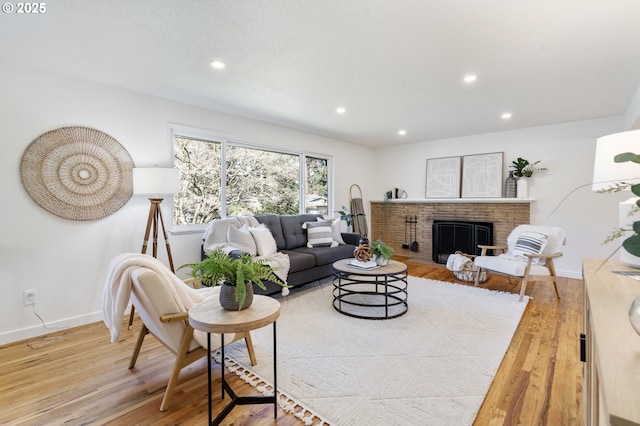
x,y
431,366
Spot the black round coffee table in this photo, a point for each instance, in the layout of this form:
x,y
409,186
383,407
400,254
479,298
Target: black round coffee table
x,y
379,293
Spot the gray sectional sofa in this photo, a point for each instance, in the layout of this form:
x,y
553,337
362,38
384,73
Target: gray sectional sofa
x,y
306,264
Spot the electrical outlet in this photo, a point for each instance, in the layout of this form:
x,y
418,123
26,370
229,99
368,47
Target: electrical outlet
x,y
29,297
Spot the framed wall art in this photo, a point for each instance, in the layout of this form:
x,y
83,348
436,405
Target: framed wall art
x,y
482,175
443,178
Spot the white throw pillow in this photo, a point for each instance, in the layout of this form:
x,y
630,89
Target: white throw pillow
x,y
241,239
319,234
336,231
530,243
265,243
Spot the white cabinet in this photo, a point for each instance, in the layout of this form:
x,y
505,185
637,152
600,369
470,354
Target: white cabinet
x,y
612,368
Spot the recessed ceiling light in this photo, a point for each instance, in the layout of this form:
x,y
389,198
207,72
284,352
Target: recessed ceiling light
x,y
341,110
402,132
506,116
218,65
470,78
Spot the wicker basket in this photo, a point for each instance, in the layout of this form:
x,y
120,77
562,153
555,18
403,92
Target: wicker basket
x,y
469,271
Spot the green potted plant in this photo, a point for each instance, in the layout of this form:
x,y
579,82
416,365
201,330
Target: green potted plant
x,y
382,252
236,276
523,168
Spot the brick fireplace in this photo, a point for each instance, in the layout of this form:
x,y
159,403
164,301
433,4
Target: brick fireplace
x,y
388,220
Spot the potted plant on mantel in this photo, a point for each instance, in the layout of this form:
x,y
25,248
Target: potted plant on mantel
x,y
236,275
382,252
524,169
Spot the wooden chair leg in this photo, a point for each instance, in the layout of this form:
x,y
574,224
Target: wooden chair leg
x,y
552,270
252,353
180,362
136,351
523,288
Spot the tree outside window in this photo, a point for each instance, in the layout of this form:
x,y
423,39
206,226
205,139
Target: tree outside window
x,y
257,181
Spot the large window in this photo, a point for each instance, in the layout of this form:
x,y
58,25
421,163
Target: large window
x,y
220,178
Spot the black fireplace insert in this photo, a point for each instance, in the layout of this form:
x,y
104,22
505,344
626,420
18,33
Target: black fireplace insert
x,y
450,236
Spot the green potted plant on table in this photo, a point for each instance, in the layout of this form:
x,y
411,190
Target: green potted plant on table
x,y
236,275
382,252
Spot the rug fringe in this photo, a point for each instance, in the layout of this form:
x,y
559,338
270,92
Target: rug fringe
x,y
287,403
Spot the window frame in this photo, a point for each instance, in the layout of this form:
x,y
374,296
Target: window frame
x,y
226,140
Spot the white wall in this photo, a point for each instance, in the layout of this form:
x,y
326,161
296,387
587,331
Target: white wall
x,y
65,261
567,150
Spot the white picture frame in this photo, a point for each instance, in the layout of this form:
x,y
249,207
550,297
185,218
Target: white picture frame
x,y
482,175
443,177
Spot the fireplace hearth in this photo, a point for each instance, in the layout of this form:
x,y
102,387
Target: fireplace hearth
x,y
450,236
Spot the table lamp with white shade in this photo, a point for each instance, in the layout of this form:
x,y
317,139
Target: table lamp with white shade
x,y
608,174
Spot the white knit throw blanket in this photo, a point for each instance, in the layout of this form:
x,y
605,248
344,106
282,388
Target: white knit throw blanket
x,y
117,289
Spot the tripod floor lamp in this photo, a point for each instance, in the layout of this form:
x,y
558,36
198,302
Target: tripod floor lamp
x,y
155,182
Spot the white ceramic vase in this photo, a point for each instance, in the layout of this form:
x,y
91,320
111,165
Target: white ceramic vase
x,y
523,187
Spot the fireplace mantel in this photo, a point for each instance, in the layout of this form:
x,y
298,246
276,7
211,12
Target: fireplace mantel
x,y
388,219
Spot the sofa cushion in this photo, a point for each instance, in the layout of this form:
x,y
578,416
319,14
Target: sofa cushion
x,y
328,255
294,235
272,221
299,261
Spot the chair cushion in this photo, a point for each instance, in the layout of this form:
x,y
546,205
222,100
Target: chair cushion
x,y
530,243
509,265
151,298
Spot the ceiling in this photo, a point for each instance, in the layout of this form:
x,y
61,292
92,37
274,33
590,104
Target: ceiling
x,y
392,65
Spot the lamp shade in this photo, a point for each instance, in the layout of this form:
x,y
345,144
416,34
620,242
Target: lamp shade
x,y
156,180
606,172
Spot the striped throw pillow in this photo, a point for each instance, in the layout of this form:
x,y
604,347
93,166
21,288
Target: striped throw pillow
x,y
319,234
530,243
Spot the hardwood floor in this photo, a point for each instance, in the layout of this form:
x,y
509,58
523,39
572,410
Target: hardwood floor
x,y
81,378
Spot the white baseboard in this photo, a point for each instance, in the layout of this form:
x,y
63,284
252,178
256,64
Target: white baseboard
x,y
569,274
52,327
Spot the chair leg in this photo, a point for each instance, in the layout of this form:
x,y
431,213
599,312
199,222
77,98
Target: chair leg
x,y
552,270
249,343
523,288
477,277
177,367
136,351
525,278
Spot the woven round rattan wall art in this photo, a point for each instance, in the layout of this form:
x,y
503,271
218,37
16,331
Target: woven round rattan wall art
x,y
77,173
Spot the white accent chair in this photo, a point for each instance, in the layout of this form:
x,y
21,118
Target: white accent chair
x,y
528,255
162,317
